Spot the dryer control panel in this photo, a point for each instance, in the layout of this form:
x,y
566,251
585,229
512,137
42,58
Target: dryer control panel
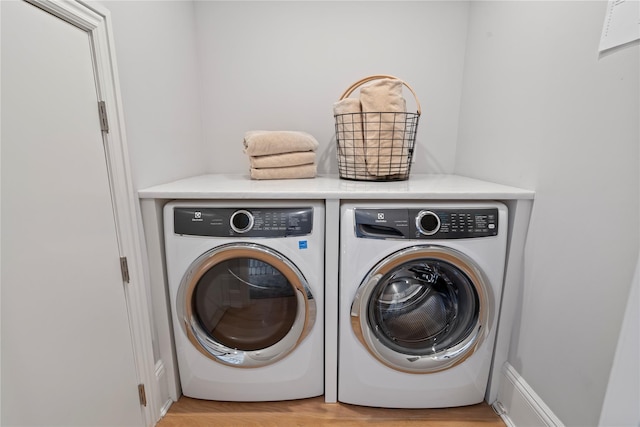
x,y
426,223
244,222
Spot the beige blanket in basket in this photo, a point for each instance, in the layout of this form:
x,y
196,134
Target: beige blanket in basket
x,y
386,151
264,143
351,160
290,172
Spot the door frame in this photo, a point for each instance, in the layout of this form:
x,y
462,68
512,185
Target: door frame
x,y
95,20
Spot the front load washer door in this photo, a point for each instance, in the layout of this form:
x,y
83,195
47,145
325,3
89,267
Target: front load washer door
x,y
423,309
245,305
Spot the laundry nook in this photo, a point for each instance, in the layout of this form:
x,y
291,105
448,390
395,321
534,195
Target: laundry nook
x,y
378,255
303,213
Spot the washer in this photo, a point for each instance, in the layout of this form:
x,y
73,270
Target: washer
x,y
246,284
420,288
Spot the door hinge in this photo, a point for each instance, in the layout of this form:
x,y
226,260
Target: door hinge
x,y
102,111
142,394
124,267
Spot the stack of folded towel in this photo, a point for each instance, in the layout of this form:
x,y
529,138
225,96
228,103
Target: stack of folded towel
x,y
281,154
373,143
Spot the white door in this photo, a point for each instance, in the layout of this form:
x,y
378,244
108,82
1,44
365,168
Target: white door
x,y
67,355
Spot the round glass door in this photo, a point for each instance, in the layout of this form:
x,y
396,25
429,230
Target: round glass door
x,y
245,305
423,309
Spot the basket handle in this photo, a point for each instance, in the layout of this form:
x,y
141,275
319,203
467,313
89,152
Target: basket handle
x,y
364,80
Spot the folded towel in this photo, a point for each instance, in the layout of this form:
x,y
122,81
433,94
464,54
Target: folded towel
x,y
282,160
350,140
300,171
263,143
385,151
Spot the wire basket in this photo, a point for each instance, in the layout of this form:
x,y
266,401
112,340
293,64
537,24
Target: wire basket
x,y
375,146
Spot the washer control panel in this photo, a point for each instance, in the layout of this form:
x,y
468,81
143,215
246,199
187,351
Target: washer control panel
x,y
426,223
246,222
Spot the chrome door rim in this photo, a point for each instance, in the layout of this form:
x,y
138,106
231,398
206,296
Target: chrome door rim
x,y
209,347
422,364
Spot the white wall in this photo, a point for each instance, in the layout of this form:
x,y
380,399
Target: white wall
x,y
281,65
160,85
541,110
621,406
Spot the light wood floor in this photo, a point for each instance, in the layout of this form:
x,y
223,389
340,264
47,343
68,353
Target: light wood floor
x,y
315,412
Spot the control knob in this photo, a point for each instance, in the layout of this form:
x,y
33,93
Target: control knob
x,y
428,223
241,221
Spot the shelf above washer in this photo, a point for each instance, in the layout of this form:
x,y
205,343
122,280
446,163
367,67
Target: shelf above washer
x,y
418,186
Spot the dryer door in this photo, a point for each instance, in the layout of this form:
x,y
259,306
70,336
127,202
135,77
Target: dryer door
x,y
245,305
422,309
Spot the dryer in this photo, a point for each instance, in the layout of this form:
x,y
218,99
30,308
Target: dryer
x,y
420,288
246,285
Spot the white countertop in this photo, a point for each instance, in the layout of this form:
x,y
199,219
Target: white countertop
x,y
222,186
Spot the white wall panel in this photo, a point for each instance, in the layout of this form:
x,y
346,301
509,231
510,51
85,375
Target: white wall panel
x,y
281,66
542,110
620,406
160,84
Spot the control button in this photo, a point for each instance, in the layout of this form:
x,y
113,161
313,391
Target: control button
x,y
428,223
241,221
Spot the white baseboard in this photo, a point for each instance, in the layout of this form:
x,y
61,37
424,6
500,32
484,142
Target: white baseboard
x,y
165,408
519,406
165,400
